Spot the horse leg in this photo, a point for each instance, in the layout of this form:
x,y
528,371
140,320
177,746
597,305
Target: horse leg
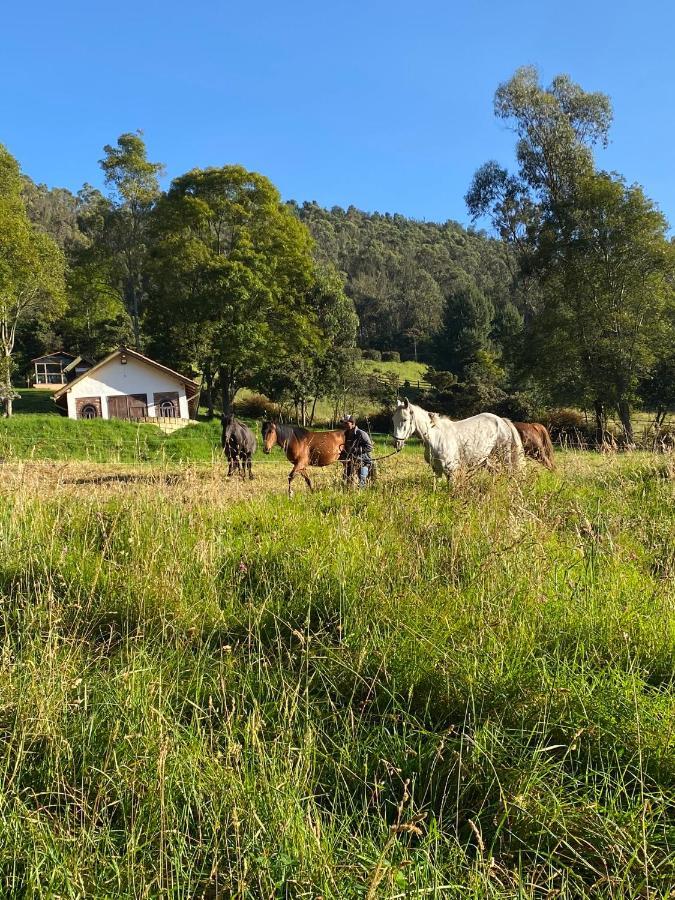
x,y
250,467
294,471
242,466
304,474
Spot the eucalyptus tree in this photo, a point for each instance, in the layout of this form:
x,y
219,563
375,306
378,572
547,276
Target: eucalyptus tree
x,y
120,247
596,246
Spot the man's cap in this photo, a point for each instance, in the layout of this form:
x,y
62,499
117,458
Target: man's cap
x,y
348,418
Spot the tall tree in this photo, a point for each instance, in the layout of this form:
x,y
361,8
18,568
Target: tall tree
x,y
124,220
596,247
467,322
305,374
230,276
31,273
609,299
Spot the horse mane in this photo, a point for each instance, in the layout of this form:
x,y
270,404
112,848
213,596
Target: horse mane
x,y
285,432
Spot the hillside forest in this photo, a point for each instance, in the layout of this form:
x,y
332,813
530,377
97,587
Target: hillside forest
x,y
561,294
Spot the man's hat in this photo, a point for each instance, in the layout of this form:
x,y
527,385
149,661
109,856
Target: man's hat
x,y
348,418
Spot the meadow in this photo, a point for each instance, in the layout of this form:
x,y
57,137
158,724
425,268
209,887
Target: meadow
x,y
210,691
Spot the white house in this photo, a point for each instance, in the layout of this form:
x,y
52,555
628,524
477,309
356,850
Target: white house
x,y
128,385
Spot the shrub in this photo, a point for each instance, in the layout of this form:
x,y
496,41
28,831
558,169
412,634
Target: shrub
x,y
375,355
391,356
256,406
568,425
518,406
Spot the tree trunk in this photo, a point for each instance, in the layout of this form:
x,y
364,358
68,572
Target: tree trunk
x,y
623,408
132,295
228,386
311,416
208,390
600,422
6,390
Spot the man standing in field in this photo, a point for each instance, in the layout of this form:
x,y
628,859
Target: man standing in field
x,y
357,450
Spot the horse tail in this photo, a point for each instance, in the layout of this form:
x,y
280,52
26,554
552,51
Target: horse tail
x,y
517,451
548,452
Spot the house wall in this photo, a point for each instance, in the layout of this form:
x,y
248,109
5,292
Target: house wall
x,y
134,377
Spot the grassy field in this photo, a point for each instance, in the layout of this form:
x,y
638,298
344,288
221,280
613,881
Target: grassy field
x,y
34,436
404,371
207,690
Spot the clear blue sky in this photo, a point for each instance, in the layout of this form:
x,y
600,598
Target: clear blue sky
x,y
378,103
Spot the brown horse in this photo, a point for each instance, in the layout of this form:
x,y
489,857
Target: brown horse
x,y
303,448
536,442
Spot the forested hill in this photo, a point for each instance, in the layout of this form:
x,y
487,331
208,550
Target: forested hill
x,y
402,273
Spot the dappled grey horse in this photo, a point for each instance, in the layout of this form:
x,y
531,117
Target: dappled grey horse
x,y
239,445
462,444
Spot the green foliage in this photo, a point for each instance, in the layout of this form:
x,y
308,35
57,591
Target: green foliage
x,y
31,273
657,390
231,274
117,230
606,310
467,322
400,272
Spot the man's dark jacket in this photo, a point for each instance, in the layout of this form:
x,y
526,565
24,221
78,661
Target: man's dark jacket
x,y
358,445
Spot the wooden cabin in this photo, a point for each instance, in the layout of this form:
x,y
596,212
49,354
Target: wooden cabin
x,y
128,385
53,370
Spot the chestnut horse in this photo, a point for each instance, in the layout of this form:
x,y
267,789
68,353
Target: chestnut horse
x,y
303,448
536,442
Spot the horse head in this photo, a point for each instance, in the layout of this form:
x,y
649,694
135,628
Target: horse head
x,y
404,423
269,435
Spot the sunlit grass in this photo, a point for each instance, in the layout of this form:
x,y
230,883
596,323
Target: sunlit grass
x,y
209,690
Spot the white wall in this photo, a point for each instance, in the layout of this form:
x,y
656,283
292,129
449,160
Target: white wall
x,y
134,377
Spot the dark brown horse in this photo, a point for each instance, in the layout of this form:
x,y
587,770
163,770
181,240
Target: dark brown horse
x,y
303,448
536,442
239,445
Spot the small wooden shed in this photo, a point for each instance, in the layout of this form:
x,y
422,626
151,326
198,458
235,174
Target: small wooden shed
x,y
53,370
128,385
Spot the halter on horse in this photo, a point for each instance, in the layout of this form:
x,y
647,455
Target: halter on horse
x,y
449,445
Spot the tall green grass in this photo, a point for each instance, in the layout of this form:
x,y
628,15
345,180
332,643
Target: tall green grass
x,y
395,693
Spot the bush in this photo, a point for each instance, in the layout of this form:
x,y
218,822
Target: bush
x,y
391,356
256,406
518,406
568,425
378,423
375,355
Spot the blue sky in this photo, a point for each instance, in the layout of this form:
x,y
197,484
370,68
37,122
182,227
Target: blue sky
x,y
384,105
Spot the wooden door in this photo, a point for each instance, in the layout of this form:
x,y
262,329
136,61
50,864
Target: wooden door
x,y
138,406
128,406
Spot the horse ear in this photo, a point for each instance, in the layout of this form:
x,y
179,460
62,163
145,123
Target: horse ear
x,y
406,402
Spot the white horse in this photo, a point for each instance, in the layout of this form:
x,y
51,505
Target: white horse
x,y
465,444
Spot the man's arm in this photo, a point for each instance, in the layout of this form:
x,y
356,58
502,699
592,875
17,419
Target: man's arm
x,y
366,442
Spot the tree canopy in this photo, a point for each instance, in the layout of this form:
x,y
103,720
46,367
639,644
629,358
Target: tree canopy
x,y
31,272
